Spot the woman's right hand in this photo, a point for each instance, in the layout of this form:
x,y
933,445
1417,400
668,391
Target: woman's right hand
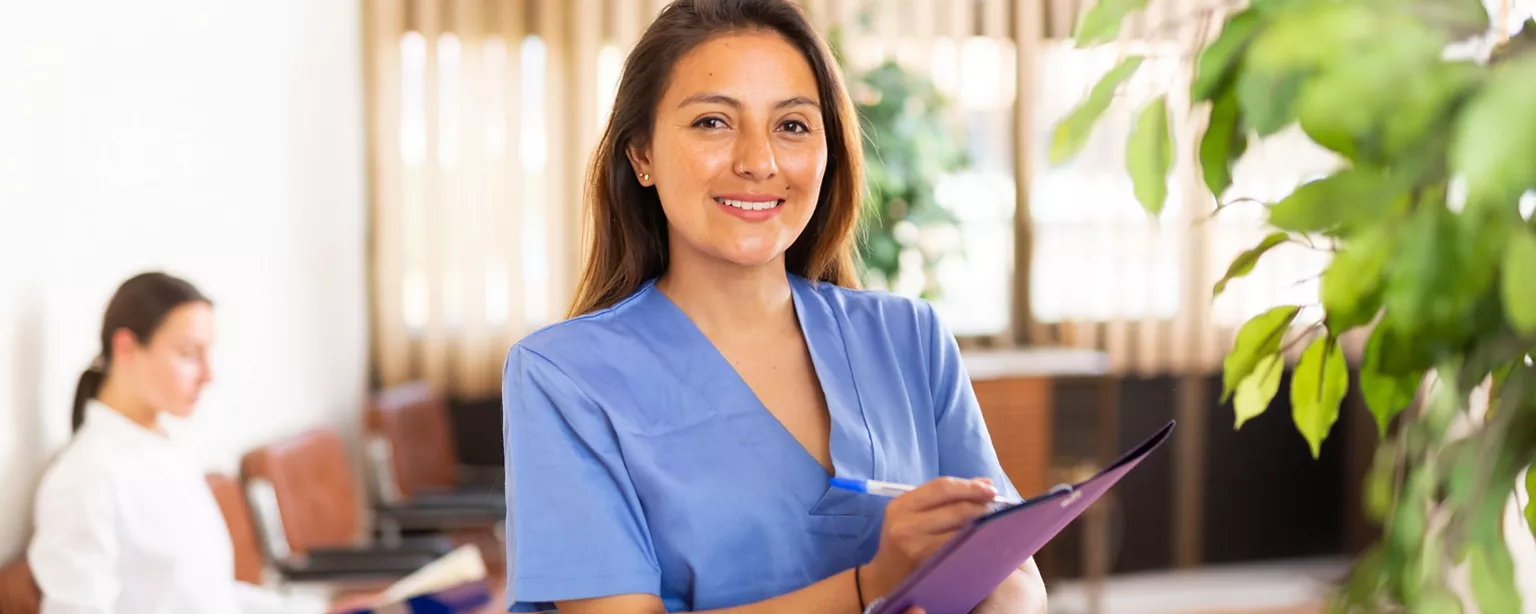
x,y
918,523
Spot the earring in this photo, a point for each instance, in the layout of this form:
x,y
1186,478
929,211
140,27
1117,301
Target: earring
x,y
645,177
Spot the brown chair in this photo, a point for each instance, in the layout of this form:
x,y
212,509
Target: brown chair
x,y
413,458
309,513
249,563
19,593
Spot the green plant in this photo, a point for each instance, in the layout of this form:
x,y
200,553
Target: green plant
x,y
1432,254
907,147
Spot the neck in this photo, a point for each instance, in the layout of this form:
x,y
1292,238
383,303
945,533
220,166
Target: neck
x,y
114,396
721,297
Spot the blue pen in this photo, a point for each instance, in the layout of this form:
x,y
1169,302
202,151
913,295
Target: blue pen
x,y
892,489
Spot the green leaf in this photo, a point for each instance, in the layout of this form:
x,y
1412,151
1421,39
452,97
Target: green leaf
x,y
1351,102
1351,286
1441,270
1073,132
1426,95
1149,155
1223,143
1343,199
1459,19
1256,391
1217,61
1244,262
1517,283
1492,572
1495,137
1260,336
1385,395
1309,34
1530,501
1102,22
1268,99
1317,389
1380,483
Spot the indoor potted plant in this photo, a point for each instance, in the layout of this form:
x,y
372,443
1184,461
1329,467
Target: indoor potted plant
x,y
1433,254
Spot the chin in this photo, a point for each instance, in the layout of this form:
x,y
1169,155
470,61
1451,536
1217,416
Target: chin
x,y
751,251
183,412
752,259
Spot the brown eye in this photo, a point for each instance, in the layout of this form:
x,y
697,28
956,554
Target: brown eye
x,y
797,126
710,123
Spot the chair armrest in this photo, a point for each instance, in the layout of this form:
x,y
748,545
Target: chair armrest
x,y
414,518
463,499
352,565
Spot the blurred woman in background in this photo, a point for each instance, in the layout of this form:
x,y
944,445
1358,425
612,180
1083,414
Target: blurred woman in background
x,y
125,519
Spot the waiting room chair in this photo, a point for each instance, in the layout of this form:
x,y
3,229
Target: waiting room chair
x,y
302,493
413,459
342,567
19,593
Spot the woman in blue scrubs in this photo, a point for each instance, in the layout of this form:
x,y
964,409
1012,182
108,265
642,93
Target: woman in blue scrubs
x,y
669,446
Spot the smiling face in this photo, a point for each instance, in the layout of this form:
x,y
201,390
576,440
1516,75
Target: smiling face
x,y
738,151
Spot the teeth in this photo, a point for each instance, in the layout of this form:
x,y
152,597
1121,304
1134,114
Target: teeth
x,y
749,206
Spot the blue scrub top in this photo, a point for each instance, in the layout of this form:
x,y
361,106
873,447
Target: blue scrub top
x,y
639,461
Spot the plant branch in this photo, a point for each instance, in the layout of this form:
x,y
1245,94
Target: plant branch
x,y
1223,205
1306,280
1169,27
1305,334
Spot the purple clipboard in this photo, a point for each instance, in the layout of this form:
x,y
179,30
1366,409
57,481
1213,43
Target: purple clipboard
x,y
968,568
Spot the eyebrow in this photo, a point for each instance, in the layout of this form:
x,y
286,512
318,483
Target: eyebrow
x,y
732,102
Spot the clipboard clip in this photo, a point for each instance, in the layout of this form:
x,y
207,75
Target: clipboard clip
x,y
1072,494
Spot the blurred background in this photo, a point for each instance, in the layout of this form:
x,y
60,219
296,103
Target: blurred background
x,y
386,193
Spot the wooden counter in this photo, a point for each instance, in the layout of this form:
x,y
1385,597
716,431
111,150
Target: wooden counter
x,y
1014,389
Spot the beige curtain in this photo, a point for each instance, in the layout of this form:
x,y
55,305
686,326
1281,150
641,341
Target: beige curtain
x,y
481,116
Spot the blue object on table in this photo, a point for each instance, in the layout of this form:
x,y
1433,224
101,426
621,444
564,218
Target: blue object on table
x,y
462,599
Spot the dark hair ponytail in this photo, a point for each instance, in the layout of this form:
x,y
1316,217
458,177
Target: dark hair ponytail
x,y
90,384
139,306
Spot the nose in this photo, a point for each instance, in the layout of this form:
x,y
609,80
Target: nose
x,y
754,157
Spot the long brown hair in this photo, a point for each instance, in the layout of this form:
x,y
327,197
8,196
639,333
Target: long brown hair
x,y
625,219
139,306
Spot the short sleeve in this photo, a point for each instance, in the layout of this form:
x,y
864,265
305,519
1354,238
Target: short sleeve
x,y
965,446
575,528
74,553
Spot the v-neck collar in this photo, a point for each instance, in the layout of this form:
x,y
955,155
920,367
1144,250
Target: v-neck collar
x,y
700,365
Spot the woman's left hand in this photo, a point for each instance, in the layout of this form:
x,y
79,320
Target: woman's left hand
x,y
353,603
1022,593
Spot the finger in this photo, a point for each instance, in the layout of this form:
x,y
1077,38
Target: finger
x,y
943,491
947,518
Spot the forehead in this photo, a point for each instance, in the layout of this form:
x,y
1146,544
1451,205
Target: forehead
x,y
190,321
749,66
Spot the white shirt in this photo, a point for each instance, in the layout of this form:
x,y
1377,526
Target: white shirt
x,y
126,523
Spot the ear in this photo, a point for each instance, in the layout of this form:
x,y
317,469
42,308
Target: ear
x,y
640,161
124,345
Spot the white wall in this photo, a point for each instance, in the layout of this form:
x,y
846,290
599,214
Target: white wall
x,y
220,141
